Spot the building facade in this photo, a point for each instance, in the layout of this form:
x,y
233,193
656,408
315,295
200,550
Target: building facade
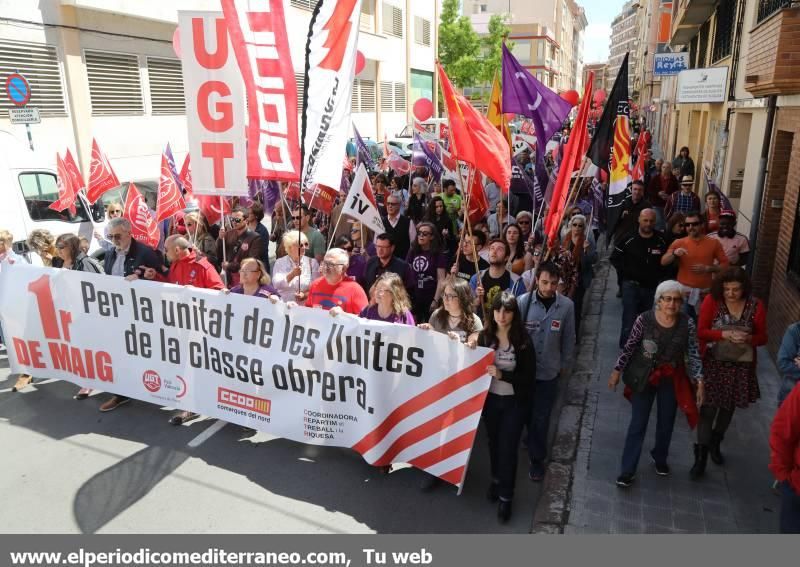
x,y
600,71
547,36
107,69
625,39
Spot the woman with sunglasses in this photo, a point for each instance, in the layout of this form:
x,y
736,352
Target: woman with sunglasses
x,y
41,244
429,268
113,211
294,267
202,242
510,398
358,262
581,249
652,366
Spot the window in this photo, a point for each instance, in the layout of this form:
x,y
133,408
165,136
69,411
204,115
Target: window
x,y
723,36
393,97
392,20
115,85
422,31
522,51
40,190
363,95
768,7
304,4
702,47
38,63
166,86
368,15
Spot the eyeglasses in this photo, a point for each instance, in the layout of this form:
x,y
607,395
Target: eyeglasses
x,y
329,265
577,225
671,299
303,244
424,233
236,220
355,230
117,236
696,223
524,222
450,296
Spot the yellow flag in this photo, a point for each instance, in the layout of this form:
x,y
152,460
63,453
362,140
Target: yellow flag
x,y
495,111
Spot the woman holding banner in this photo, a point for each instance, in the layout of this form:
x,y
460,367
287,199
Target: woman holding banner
x,y
294,265
254,280
510,398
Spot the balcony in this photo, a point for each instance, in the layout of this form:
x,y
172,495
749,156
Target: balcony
x,y
690,16
774,55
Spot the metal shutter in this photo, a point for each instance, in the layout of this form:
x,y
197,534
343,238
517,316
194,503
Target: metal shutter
x,y
304,4
399,97
166,86
115,85
39,64
422,31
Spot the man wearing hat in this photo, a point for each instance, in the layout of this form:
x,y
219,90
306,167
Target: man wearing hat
x,y
684,200
735,244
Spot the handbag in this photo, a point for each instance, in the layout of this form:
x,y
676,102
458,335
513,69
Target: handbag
x,y
725,350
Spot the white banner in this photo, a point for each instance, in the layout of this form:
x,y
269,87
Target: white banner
x,y
391,392
703,85
329,88
215,111
360,202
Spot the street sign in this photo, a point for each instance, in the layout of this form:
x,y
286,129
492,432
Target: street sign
x,y
667,64
24,115
18,89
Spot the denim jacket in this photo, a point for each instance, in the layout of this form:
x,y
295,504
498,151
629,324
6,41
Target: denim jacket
x,y
790,348
552,333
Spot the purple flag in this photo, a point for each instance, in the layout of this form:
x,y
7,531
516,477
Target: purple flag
x,y
524,94
172,169
422,154
725,203
362,151
268,191
523,183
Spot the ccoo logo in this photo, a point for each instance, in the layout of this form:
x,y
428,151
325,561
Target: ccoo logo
x,y
151,381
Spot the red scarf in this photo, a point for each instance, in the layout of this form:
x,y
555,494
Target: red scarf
x,y
684,393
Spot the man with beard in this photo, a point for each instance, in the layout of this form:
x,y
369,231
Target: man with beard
x,y
637,259
386,261
735,244
239,243
496,279
696,255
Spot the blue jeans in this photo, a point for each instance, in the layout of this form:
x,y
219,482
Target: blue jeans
x,y
635,300
539,422
790,510
504,419
640,415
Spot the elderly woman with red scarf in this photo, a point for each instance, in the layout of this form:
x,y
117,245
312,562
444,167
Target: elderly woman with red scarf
x,y
583,252
652,366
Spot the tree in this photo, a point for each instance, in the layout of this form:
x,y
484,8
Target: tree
x,y
491,45
459,46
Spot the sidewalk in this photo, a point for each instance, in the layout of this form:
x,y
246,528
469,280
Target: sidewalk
x,y
734,498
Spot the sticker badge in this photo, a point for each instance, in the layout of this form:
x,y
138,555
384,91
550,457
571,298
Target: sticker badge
x,y
555,325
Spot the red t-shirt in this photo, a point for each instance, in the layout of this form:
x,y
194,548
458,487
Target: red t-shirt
x,y
347,294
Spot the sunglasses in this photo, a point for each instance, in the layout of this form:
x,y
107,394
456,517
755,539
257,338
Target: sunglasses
x,y
579,225
390,204
524,222
295,218
236,220
425,233
61,246
304,245
692,223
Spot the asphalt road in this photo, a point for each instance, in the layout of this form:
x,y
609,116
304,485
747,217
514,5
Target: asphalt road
x,y
67,468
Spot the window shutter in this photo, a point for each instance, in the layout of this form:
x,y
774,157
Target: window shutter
x,y
38,63
387,96
300,79
367,95
355,104
399,97
115,85
422,31
166,86
304,4
392,20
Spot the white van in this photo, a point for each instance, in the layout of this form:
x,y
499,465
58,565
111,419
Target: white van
x,y
27,187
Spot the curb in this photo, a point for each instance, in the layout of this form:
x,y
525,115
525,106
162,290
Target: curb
x,y
552,509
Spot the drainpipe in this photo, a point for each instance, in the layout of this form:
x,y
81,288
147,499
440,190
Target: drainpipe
x,y
761,179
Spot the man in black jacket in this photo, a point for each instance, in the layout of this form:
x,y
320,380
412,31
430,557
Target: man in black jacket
x,y
239,243
386,261
399,227
638,259
127,259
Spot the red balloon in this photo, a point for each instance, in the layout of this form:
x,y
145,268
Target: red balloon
x,y
599,96
176,42
423,109
571,97
361,62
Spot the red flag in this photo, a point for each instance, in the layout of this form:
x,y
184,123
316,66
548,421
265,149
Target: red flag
x,y
73,172
641,148
143,228
478,203
66,192
320,197
101,175
211,209
473,139
186,179
400,165
170,200
573,151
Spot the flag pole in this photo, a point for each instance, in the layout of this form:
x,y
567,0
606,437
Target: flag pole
x,y
224,241
467,223
333,232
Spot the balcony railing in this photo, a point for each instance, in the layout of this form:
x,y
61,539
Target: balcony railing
x,y
768,7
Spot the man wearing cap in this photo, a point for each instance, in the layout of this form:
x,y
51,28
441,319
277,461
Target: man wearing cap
x,y
735,244
684,200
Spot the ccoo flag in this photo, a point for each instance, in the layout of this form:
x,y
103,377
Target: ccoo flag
x,y
330,68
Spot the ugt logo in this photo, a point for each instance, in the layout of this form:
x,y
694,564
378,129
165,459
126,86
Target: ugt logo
x,y
338,28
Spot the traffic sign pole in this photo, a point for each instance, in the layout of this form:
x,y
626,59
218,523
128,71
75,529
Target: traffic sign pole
x,y
18,91
30,137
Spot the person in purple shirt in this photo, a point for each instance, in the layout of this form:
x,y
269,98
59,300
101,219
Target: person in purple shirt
x,y
358,262
389,301
429,267
254,280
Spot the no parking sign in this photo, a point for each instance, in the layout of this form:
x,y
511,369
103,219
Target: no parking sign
x,y
18,89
